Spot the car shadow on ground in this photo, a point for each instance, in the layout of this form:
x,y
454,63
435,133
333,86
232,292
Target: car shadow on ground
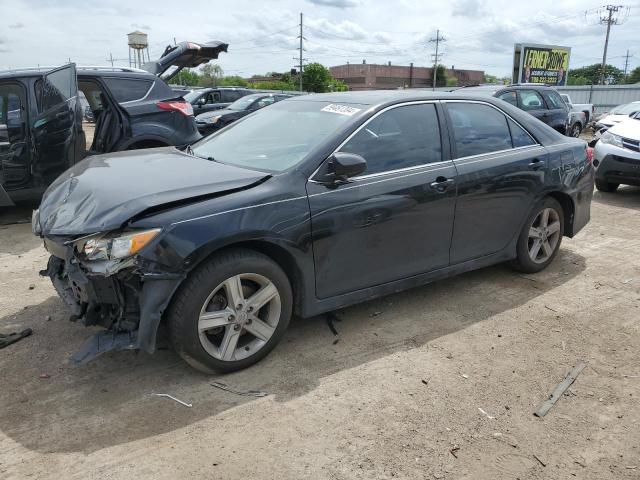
x,y
625,196
109,401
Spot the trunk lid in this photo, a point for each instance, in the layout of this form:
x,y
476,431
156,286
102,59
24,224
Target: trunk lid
x,y
185,55
103,192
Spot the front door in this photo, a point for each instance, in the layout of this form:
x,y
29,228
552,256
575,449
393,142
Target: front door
x,y
501,170
557,109
532,102
395,219
57,130
14,145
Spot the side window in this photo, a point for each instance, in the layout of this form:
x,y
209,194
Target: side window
x,y
127,89
216,97
263,102
12,111
519,136
478,129
554,100
509,97
531,100
402,137
56,88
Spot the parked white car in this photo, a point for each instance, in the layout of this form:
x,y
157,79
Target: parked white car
x,y
586,108
617,155
616,115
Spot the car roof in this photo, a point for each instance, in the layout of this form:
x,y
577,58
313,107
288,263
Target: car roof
x,y
80,70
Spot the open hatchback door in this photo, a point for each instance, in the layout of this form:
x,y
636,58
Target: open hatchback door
x,y
184,55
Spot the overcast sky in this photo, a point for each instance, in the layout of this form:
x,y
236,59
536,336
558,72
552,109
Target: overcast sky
x,y
263,35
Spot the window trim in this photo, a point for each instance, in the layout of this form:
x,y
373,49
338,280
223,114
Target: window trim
x,y
451,135
443,138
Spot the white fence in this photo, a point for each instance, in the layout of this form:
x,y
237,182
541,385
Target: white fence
x,y
603,97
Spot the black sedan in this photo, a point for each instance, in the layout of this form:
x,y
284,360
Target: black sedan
x,y
310,205
212,121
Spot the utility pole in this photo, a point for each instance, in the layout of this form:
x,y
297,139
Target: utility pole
x,y
608,20
111,59
301,38
626,62
436,57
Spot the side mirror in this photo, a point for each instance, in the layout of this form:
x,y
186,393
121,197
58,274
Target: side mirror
x,y
201,101
344,165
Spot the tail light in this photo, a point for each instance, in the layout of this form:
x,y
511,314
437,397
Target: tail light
x,y
589,155
184,108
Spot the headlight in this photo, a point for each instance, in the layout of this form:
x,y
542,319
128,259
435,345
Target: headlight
x,y
213,119
112,247
611,139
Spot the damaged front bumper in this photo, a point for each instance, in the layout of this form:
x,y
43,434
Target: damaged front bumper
x,y
127,298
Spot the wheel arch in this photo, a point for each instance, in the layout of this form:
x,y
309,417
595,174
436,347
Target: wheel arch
x,y
568,209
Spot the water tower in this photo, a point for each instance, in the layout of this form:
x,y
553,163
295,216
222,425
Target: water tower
x,y
138,44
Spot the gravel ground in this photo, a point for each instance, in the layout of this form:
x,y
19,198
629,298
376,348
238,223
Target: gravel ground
x,y
436,382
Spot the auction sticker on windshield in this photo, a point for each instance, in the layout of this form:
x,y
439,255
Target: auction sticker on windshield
x,y
341,109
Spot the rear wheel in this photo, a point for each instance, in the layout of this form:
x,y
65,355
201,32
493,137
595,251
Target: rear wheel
x,y
540,237
231,311
606,186
576,128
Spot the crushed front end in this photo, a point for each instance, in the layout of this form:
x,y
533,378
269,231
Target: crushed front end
x,y
126,296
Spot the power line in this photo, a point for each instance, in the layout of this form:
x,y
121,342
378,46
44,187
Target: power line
x,y
436,57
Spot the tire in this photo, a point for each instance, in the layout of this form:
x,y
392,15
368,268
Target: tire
x,y
552,235
252,333
576,128
604,186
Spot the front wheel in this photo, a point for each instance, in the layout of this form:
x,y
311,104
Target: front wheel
x,y
541,236
230,312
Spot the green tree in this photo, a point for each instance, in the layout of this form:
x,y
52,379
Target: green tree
x,y
591,75
489,78
233,81
634,76
316,78
186,77
211,75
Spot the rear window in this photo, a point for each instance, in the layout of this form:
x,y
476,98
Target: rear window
x,y
127,89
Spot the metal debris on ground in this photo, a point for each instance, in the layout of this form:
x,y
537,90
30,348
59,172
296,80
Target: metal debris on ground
x,y
247,393
8,339
426,382
540,461
331,317
454,451
560,389
486,414
174,399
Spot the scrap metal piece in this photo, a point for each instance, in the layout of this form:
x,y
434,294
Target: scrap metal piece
x,y
248,393
6,340
103,342
560,389
174,399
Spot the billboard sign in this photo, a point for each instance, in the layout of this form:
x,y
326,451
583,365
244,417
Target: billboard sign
x,y
546,64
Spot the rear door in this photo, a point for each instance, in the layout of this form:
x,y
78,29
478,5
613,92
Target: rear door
x,y
532,102
57,129
501,170
558,110
394,220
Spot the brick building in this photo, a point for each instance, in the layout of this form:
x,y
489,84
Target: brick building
x,y
369,76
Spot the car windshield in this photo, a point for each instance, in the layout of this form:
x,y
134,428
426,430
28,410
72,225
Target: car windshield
x,y
279,137
243,103
626,109
191,96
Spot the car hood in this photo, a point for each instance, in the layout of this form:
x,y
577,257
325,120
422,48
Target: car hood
x,y
215,113
612,119
103,192
629,128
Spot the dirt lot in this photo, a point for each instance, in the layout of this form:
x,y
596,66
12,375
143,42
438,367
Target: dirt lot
x,y
399,396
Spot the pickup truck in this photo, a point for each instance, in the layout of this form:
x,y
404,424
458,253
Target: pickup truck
x,y
587,108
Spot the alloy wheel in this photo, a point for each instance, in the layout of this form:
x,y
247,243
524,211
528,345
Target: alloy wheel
x,y
239,317
575,131
544,235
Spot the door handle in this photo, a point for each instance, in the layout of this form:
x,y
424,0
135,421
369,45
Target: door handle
x,y
442,184
536,164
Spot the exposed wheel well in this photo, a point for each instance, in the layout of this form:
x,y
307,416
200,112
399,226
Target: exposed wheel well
x,y
147,144
568,209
